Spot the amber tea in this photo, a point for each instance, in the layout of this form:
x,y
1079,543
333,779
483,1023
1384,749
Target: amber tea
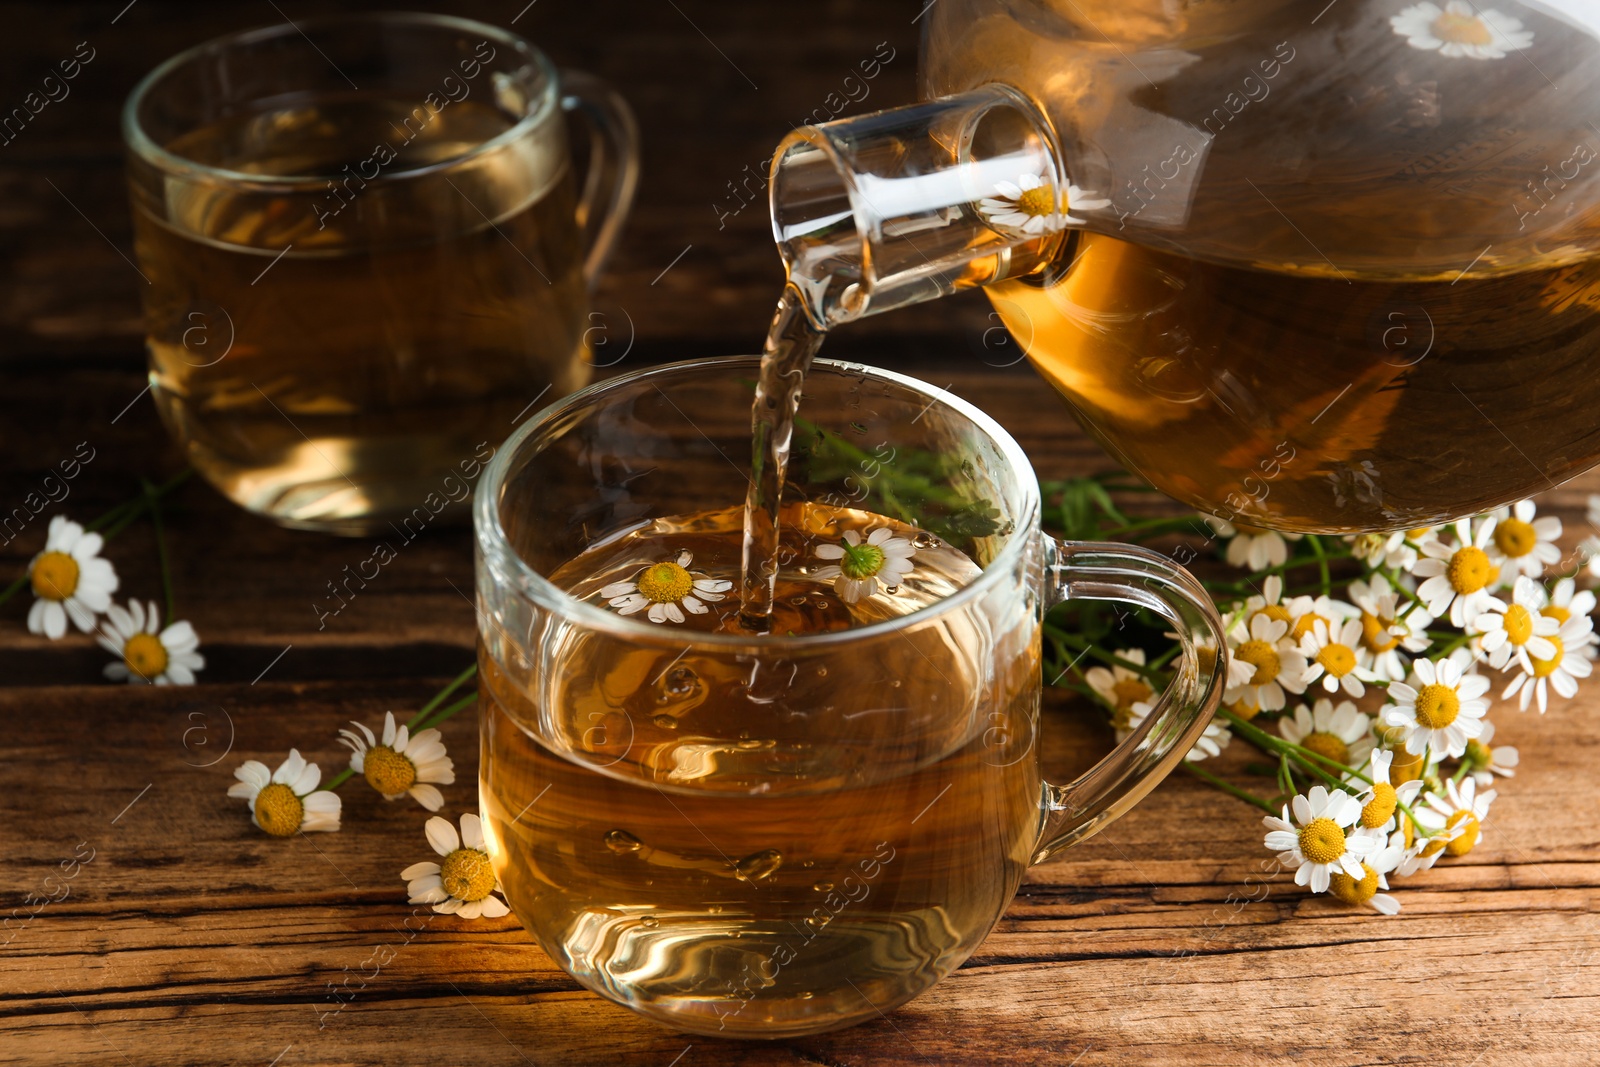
x,y
353,292
721,874
368,357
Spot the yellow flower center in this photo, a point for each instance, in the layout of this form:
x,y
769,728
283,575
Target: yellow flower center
x,y
1461,29
1519,624
55,576
665,583
1321,840
1462,843
1205,658
1305,623
1380,809
278,811
1515,538
1244,711
388,771
1127,692
1040,200
1544,668
467,874
1263,657
1437,706
1405,768
1418,534
1351,891
1338,660
1375,633
145,655
1276,612
1470,569
1477,754
1556,612
1330,746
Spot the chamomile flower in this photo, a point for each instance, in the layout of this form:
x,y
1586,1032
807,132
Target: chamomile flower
x,y
1397,551
664,591
1458,578
1211,742
1440,708
1340,733
1335,654
287,801
1566,600
147,652
862,565
1269,661
1487,761
1268,602
464,884
1455,817
1523,544
1560,671
1388,628
1029,206
69,579
1519,629
1315,841
1382,797
1253,547
1120,687
1306,611
1388,854
404,764
1461,29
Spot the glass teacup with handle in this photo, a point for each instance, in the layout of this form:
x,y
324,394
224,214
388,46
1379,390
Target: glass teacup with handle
x,y
367,252
765,835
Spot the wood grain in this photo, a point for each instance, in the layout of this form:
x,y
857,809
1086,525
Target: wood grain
x,y
190,938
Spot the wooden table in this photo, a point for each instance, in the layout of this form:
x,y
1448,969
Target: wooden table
x,y
190,937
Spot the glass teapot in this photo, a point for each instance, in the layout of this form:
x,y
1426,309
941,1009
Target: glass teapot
x,y
1321,268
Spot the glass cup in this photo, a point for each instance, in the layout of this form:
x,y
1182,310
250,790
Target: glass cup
x,y
366,253
766,836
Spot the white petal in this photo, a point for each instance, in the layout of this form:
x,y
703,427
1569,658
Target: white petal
x,y
494,907
472,831
426,795
417,870
441,835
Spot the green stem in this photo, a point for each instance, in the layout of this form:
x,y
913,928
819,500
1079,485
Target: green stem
x,y
152,501
122,514
1229,788
1322,563
1098,653
440,697
461,705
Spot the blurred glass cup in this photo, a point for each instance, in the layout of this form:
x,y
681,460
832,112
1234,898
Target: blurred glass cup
x,y
367,255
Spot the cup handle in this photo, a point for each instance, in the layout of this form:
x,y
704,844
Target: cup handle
x,y
1087,570
614,148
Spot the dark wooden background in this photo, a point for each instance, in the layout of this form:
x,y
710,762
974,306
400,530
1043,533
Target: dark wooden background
x,y
191,938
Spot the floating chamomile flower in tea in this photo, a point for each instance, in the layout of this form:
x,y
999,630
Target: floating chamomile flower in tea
x,y
1461,30
864,564
1029,205
665,590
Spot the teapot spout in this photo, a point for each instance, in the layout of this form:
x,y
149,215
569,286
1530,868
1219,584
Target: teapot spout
x,y
911,203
